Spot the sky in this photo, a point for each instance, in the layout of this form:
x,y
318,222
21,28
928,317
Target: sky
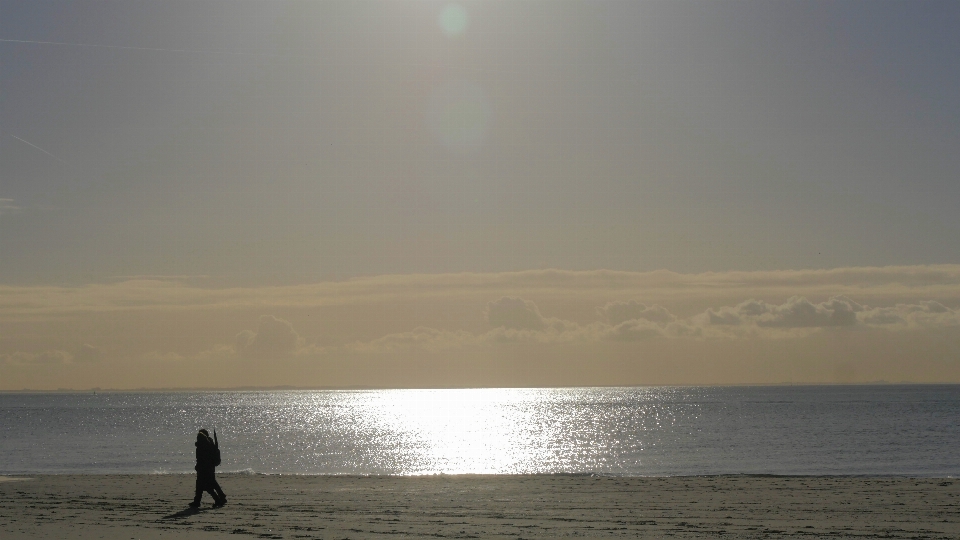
x,y
478,193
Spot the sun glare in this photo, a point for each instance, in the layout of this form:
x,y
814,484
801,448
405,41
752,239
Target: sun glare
x,y
453,20
461,431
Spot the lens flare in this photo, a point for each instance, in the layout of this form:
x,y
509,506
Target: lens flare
x,y
453,20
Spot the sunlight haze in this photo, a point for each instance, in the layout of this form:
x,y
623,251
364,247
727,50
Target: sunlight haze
x,y
402,194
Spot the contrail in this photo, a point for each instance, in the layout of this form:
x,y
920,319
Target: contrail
x,y
38,148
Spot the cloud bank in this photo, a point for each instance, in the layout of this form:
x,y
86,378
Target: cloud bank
x,y
517,320
878,286
401,320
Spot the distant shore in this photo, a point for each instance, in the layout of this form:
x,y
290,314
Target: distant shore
x,y
468,506
287,388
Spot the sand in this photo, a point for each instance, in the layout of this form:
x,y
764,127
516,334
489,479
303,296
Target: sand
x,y
155,506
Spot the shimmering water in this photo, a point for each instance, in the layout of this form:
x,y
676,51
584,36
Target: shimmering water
x,y
620,431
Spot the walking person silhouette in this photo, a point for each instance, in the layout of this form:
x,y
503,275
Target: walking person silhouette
x,y
208,457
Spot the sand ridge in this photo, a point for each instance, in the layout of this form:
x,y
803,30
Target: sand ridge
x,y
536,506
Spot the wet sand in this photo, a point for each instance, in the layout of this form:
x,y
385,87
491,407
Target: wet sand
x,y
155,506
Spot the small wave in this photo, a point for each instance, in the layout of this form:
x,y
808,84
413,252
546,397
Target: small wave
x,y
13,478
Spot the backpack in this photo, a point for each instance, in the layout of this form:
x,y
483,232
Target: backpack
x,y
215,452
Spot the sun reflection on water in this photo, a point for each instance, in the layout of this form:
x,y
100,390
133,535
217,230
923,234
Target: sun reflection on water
x,y
462,431
465,431
630,431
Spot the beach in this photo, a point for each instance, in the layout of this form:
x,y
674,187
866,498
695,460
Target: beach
x,y
476,506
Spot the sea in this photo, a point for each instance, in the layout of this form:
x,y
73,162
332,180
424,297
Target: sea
x,y
638,431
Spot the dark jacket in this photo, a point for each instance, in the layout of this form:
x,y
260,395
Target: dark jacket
x,y
205,454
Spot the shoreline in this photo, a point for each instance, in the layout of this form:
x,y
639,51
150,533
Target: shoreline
x,y
8,477
150,506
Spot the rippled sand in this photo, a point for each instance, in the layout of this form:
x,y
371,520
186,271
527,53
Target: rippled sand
x,y
150,507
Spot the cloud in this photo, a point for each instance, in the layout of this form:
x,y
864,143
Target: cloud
x,y
420,337
46,358
634,321
633,330
618,312
275,338
7,206
513,320
169,356
517,320
932,306
689,292
798,312
556,331
88,354
836,312
924,314
176,278
362,314
514,313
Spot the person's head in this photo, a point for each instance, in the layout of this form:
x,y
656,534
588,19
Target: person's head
x,y
203,436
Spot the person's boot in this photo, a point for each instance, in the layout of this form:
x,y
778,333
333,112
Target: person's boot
x,y
195,504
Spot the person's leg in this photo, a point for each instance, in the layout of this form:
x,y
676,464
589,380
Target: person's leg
x,y
199,492
216,486
219,498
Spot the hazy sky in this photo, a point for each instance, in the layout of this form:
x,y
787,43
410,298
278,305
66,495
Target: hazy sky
x,y
263,151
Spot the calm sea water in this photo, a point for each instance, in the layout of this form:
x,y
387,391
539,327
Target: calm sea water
x,y
896,430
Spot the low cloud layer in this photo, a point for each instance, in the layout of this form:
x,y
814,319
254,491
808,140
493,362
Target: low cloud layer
x,y
513,319
878,286
274,338
486,317
517,320
797,312
45,358
85,354
837,312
